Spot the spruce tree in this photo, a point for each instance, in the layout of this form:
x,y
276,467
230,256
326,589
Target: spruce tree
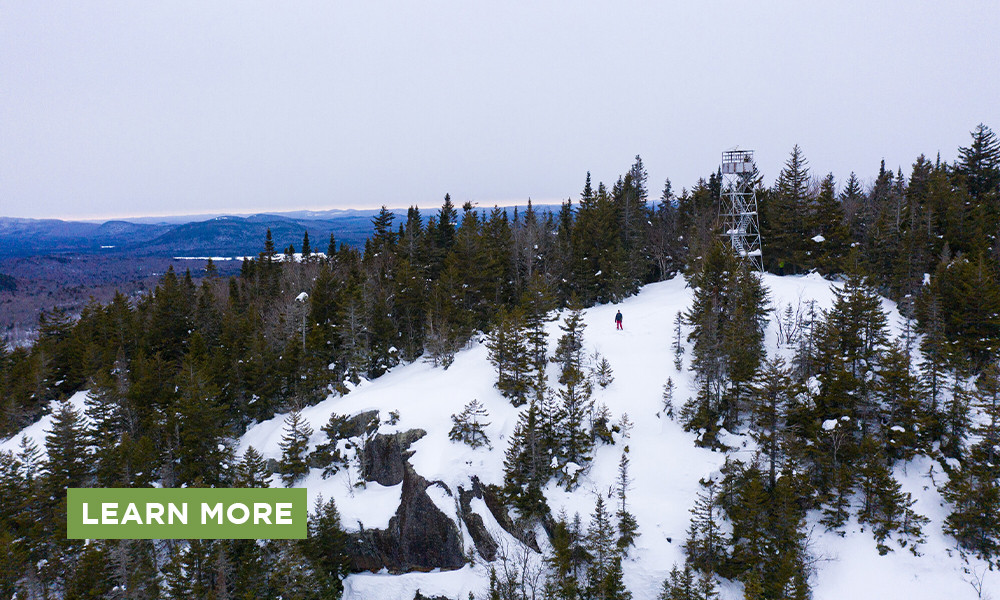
x,y
849,347
306,248
536,302
979,163
510,354
884,505
565,560
251,471
668,398
569,350
828,223
601,371
527,465
199,443
628,527
727,318
899,393
677,345
68,462
685,584
968,297
294,444
468,425
788,241
326,548
974,494
771,399
602,549
705,546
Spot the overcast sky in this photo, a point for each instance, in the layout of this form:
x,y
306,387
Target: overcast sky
x,y
144,108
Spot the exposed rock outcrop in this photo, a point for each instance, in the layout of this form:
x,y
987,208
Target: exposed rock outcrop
x,y
386,456
481,537
420,537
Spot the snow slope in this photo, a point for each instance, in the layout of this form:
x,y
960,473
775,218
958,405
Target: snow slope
x,y
665,464
40,428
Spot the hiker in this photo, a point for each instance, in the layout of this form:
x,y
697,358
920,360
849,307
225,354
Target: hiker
x,y
618,320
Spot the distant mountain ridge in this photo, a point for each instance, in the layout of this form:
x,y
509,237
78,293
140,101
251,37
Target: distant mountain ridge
x,y
203,235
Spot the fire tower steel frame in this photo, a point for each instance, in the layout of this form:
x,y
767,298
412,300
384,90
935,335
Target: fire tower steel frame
x,y
739,206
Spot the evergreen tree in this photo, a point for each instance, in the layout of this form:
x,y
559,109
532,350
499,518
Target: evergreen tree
x,y
575,442
849,346
705,546
727,318
536,302
468,425
294,444
683,585
199,442
510,354
979,164
829,224
569,350
527,465
668,398
326,549
968,297
677,345
974,493
884,505
91,578
628,527
601,371
447,220
899,394
665,243
603,551
306,248
772,397
955,420
789,215
566,560
251,471
68,454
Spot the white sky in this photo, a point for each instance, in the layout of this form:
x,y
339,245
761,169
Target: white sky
x,y
133,108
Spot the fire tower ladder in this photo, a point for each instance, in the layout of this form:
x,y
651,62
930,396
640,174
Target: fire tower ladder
x,y
739,206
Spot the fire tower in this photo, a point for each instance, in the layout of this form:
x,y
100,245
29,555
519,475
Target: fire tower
x,y
739,206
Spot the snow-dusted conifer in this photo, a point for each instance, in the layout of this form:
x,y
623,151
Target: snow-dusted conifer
x,y
68,455
251,471
705,545
601,546
510,355
601,371
527,466
668,398
628,527
468,425
569,350
678,345
294,444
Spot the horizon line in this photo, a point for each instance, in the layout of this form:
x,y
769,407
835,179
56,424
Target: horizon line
x,y
249,213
